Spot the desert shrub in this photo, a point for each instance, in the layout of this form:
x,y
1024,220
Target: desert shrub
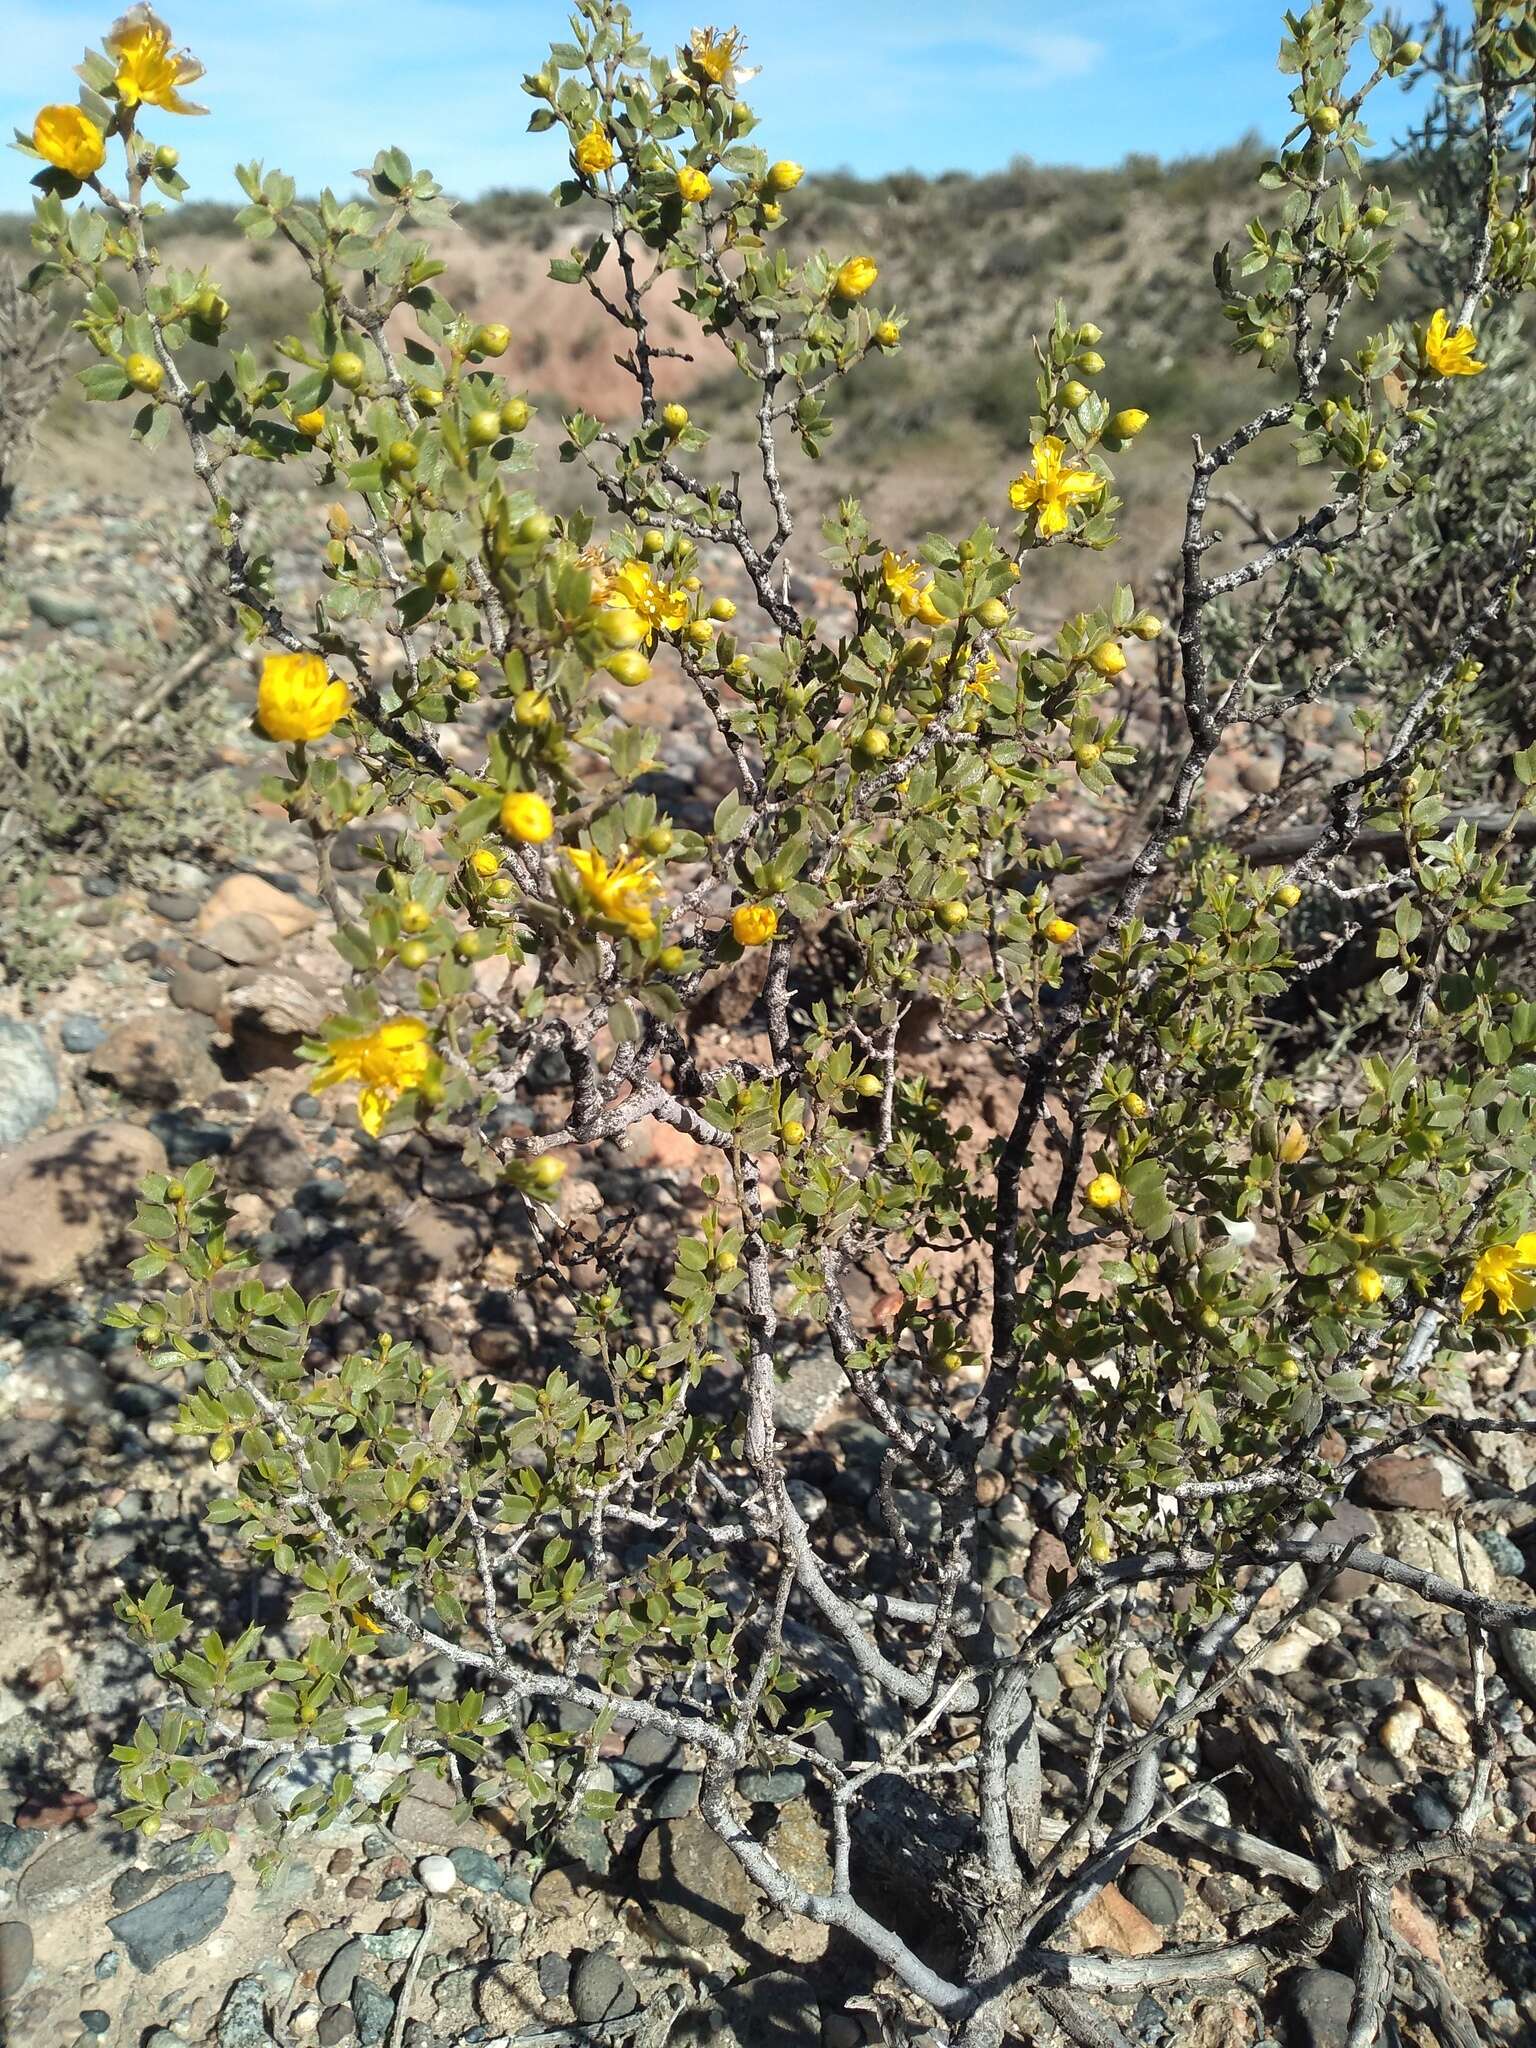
x,y
1185,1288
33,364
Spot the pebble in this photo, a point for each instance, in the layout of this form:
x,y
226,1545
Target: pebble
x,y
677,1795
482,1873
243,2015
336,2025
554,1975
1320,2002
94,2020
771,1788
1519,1648
1155,1892
1505,1555
601,1989
437,1875
79,1033
174,905
372,2009
1400,1730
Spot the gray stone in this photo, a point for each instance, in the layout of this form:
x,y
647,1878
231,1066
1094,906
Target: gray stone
x,y
73,1866
583,1839
244,939
15,1957
340,1973
158,1059
480,1872
335,2025
1505,1556
29,1087
16,1845
678,1794
373,2010
654,1749
809,1391
243,2015
1519,1648
202,993
1320,2002
453,1998
772,2011
314,1951
691,1885
108,1964
174,905
771,1788
601,1989
174,1920
922,1515
79,1033
1155,1892
65,610
554,1975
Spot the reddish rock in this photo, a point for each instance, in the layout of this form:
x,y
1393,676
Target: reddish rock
x,y
1111,1921
64,1810
1047,1555
1400,1482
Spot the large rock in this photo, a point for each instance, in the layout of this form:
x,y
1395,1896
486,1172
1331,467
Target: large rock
x,y
174,1920
66,1201
29,1087
78,1863
159,1058
250,896
691,1885
15,1957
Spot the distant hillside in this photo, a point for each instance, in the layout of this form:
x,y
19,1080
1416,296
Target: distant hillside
x,y
929,434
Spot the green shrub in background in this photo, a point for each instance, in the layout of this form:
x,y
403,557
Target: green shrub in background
x,y
1186,1291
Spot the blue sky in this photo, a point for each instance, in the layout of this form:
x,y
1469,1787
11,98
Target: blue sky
x,y
316,86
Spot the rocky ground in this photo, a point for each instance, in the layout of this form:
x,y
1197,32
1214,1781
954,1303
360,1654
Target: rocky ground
x,y
175,1039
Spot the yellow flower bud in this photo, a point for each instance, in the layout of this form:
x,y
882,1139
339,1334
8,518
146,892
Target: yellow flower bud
x,y
347,368
1288,895
1134,1104
1089,361
1369,1285
1105,1192
144,374
674,417
526,817
298,698
785,175
722,608
887,334
594,153
1108,659
515,415
622,626
310,424
629,667
1126,424
1073,392
493,339
1293,1143
692,184
855,277
530,708
993,613
1061,931
69,140
484,862
754,924
773,213
1146,626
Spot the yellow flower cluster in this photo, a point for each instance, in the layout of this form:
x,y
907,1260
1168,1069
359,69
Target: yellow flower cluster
x,y
1051,486
1450,353
632,587
620,893
69,140
298,698
594,153
908,588
149,72
387,1062
1508,1273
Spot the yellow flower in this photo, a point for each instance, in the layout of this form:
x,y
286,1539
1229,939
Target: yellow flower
x,y
298,698
985,676
1504,1271
1450,354
785,175
69,140
1051,487
1369,1285
692,183
310,424
854,278
618,893
595,152
634,588
754,924
149,71
1105,1192
387,1062
714,54
1061,931
526,816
